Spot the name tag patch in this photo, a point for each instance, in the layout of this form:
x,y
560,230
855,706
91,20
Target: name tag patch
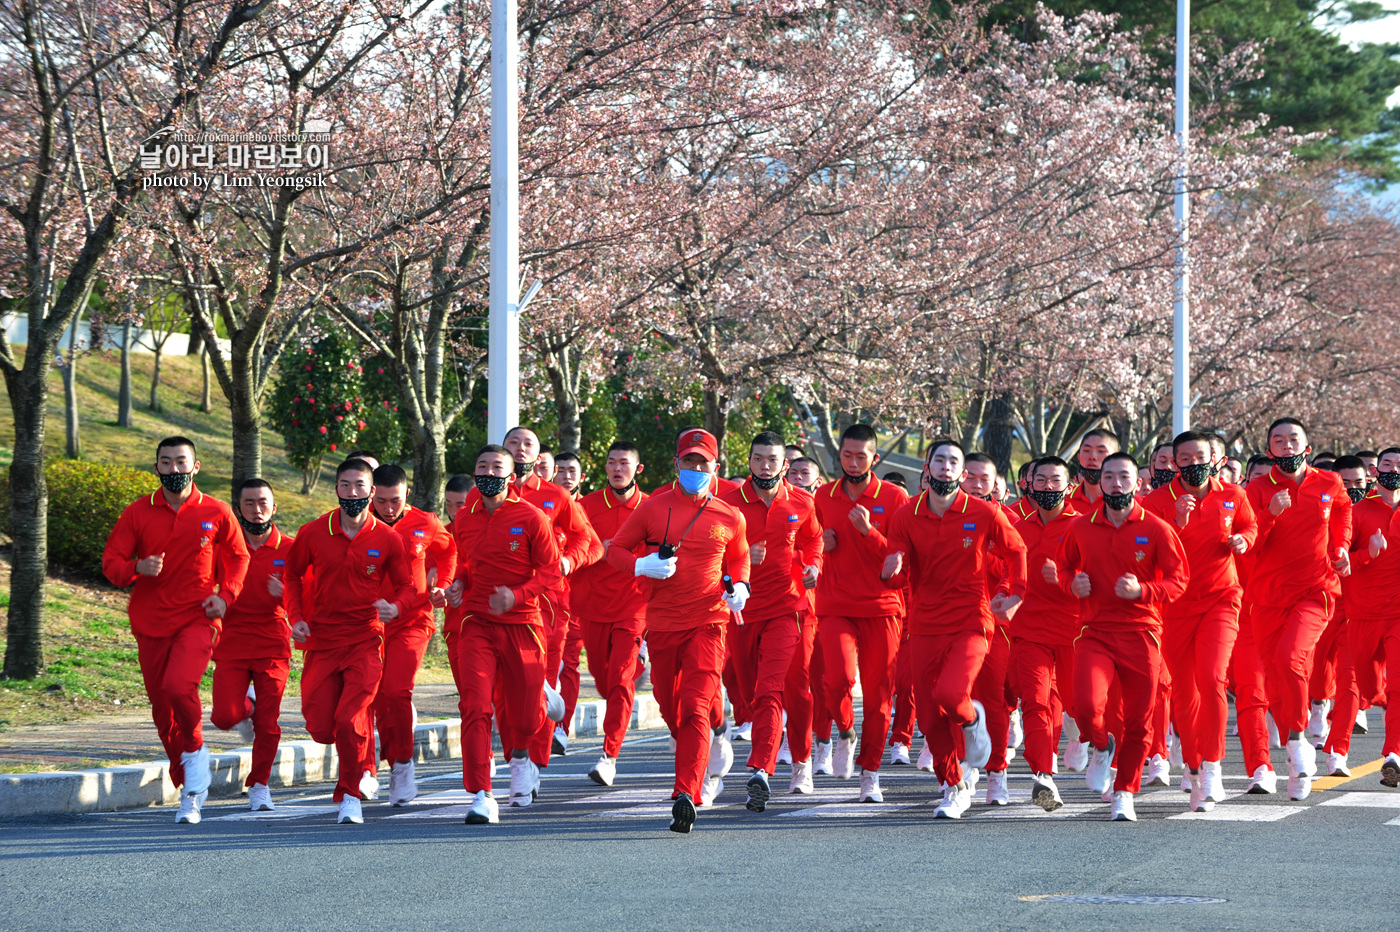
x,y
419,533
792,519
1229,505
517,530
279,562
206,525
1326,497
548,505
878,509
970,526
373,553
1139,540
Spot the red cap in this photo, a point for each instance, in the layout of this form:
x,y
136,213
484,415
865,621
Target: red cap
x,y
698,441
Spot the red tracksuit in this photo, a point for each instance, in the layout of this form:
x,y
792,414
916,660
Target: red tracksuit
x,y
773,618
1294,586
428,545
1118,636
858,617
686,614
204,555
332,583
1247,673
950,622
255,648
501,658
611,609
1199,629
1042,642
799,698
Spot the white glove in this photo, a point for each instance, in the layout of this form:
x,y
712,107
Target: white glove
x,y
654,566
739,599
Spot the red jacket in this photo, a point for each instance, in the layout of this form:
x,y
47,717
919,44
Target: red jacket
x,y
255,625
204,554
1372,590
793,537
601,592
719,486
1225,510
850,585
577,540
1048,614
428,545
514,546
1145,546
332,581
945,562
1022,508
1296,548
715,545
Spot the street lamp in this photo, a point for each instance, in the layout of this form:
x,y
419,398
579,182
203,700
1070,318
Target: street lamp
x,y
503,354
1181,298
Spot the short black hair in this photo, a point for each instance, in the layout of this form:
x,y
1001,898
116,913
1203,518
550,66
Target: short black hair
x,y
804,459
897,478
389,475
1327,465
944,442
1256,460
354,464
1365,453
1385,451
625,446
360,454
1120,455
176,441
493,448
546,448
1348,462
1280,422
519,427
1188,436
247,484
1048,461
765,438
980,457
861,433
1164,443
794,448
1102,432
565,455
460,483
1025,469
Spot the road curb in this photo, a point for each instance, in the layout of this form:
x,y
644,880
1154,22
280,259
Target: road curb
x,y
298,763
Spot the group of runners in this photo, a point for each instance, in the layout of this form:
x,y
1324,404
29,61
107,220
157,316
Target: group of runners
x,y
1109,609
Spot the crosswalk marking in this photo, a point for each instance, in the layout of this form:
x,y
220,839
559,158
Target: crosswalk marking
x,y
1365,800
1258,813
280,814
847,810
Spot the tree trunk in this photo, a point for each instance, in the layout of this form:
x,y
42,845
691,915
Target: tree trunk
x,y
74,446
246,416
429,466
205,403
998,436
564,380
29,515
155,379
310,478
124,390
716,419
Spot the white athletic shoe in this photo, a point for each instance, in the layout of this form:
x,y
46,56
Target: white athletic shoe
x,y
1076,756
801,781
844,759
1123,807
784,751
926,758
1200,802
1299,786
553,703
710,789
671,744
190,804
1174,751
369,785
1212,780
1097,774
971,777
403,783
1337,765
1159,771
721,756
605,771
1390,771
956,800
197,775
1360,728
1302,758
351,812
1054,762
245,730
1187,782
870,787
744,732
899,755
821,757
997,794
1263,783
260,798
759,791
524,782
560,742
977,744
1107,795
1044,792
484,810
1274,740
1015,734
1317,722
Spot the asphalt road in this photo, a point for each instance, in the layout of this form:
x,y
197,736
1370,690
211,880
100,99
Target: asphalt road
x,y
601,859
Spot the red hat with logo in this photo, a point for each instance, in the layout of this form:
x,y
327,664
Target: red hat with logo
x,y
698,441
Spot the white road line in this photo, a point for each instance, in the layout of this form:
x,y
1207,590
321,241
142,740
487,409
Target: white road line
x,y
1365,801
652,812
847,810
1262,813
280,814
1031,812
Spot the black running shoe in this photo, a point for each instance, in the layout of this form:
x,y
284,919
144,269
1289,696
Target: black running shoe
x,y
682,814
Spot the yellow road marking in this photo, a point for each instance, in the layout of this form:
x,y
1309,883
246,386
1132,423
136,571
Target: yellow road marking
x,y
1365,770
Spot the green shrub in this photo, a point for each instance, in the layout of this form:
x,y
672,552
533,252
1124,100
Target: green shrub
x,y
85,500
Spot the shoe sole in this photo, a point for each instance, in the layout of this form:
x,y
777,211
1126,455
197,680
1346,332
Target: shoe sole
x,y
682,815
759,792
1339,772
899,763
559,749
1044,797
1390,774
1122,818
476,818
597,778
1257,790
1158,781
940,814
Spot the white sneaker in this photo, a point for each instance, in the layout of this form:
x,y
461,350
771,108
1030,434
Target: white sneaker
x,y
1174,751
870,787
1337,765
245,730
1076,756
1044,792
1302,758
260,798
369,785
1070,729
784,752
899,755
744,732
977,744
560,743
1200,802
956,799
759,791
1263,783
1015,734
1317,722
1054,762
1159,771
710,789
1097,774
553,703
1360,728
671,744
844,759
351,812
1299,786
971,776
197,775
1123,807
1107,795
1187,782
403,783
484,810
1390,771
1274,740
926,758
721,756
605,771
524,782
190,804
997,794
821,757
1213,782
801,781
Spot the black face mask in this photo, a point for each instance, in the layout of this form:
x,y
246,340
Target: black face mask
x,y
491,486
1389,480
1090,476
1118,502
1196,474
1049,499
1161,477
1356,495
1214,470
766,484
942,486
176,482
1290,464
855,480
626,489
354,507
524,469
254,528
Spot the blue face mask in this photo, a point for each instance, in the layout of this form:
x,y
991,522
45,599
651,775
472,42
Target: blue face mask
x,y
694,481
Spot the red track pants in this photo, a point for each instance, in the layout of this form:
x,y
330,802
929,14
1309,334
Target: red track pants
x,y
393,704
872,643
569,682
1251,696
685,673
1198,649
902,729
945,667
1045,676
738,702
990,689
1322,684
231,706
763,649
612,662
798,694
172,668
822,719
502,668
1361,663
338,686
1287,639
1134,657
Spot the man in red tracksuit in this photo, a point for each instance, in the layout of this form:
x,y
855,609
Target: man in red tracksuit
x,y
454,497
697,561
1124,564
942,540
507,559
1304,537
333,591
432,555
782,532
610,605
1094,448
858,617
254,655
184,554
1215,523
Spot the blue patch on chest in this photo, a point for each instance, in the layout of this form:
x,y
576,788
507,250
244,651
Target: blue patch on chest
x,y
206,525
878,509
970,526
1140,540
517,530
373,553
279,562
547,505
